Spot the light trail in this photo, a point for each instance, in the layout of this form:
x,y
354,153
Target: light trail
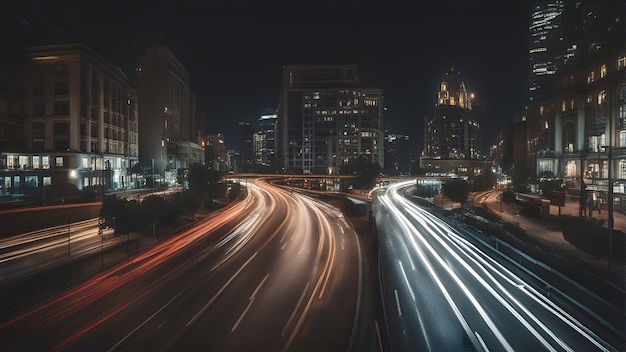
x,y
480,281
273,244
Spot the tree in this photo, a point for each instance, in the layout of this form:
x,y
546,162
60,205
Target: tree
x,y
121,215
484,181
547,187
457,190
153,209
365,170
198,178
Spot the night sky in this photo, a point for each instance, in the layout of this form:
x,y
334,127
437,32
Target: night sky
x,y
235,50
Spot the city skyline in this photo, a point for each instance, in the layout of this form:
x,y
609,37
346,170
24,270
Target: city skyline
x,y
235,53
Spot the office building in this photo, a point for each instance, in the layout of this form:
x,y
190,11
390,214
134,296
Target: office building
x,y
452,132
79,126
564,32
265,143
398,154
167,120
327,120
215,153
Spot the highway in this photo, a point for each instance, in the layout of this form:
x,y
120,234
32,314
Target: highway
x,y
39,250
441,293
277,271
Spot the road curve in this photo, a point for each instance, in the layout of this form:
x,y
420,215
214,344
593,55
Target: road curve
x,y
277,271
441,293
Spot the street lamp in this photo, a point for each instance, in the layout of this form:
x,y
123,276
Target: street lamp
x,y
152,161
71,174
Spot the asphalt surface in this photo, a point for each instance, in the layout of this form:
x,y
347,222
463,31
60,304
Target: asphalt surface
x,y
286,288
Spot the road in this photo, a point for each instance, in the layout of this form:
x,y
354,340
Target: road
x,y
441,293
42,249
277,271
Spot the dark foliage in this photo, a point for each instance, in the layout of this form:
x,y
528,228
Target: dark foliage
x,y
590,235
457,190
126,216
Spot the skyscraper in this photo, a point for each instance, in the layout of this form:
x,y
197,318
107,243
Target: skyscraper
x,y
564,32
326,120
265,143
545,44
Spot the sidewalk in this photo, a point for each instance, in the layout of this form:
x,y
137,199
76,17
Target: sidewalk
x,y
542,231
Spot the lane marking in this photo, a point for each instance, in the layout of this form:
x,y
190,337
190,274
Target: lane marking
x,y
242,315
206,306
120,342
293,314
395,293
259,286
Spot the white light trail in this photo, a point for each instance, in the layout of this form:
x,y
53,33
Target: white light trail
x,y
484,271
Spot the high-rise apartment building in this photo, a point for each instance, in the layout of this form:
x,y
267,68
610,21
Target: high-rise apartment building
x,y
166,115
80,125
326,120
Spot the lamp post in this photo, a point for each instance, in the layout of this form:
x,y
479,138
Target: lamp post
x,y
71,174
101,234
152,161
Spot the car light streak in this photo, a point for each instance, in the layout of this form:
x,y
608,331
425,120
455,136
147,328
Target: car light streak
x,y
488,266
461,261
91,290
313,239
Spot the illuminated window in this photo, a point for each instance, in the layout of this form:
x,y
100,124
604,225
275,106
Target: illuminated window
x,y
58,161
621,62
563,105
603,71
622,169
601,97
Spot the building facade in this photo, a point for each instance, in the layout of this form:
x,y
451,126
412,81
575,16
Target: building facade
x,y
452,131
79,123
398,154
167,121
215,153
579,133
265,143
326,120
564,32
